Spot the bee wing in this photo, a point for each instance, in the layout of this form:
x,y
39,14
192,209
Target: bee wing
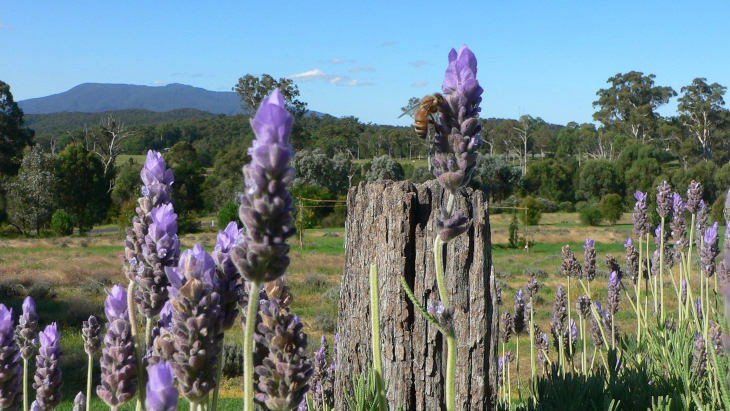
x,y
410,110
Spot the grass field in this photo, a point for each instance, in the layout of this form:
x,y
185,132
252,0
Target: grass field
x,y
70,275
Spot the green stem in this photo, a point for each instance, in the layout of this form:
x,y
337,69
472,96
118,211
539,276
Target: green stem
x,y
132,311
25,386
583,337
193,406
375,327
532,344
253,307
451,372
219,375
661,273
570,335
88,381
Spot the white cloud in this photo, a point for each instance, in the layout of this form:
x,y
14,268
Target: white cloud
x,y
420,63
310,75
5,26
388,43
159,83
356,82
361,68
339,61
420,84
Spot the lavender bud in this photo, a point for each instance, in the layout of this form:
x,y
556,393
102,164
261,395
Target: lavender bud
x,y
161,392
501,361
157,178
542,345
451,227
506,327
699,357
11,372
560,305
519,318
694,196
583,306
715,334
35,407
701,223
683,295
48,369
678,226
589,260
323,378
698,307
282,368
118,363
79,402
267,210
613,266
709,251
632,260
499,294
595,329
532,286
91,333
26,332
443,316
229,279
639,218
664,200
279,290
722,274
115,305
570,265
614,293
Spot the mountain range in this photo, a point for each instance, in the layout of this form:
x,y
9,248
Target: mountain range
x,y
95,97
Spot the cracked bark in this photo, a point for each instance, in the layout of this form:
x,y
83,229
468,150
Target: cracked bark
x,y
391,224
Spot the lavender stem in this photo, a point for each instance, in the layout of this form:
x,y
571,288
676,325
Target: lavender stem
x,y
137,347
253,308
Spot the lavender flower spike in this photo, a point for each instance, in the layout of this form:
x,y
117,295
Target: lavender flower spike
x,y
640,218
457,138
157,178
48,369
118,362
709,251
664,200
229,286
161,392
519,318
589,259
614,293
79,402
91,333
27,330
115,305
267,209
694,196
678,226
11,394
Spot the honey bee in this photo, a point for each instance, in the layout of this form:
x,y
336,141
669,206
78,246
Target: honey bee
x,y
423,111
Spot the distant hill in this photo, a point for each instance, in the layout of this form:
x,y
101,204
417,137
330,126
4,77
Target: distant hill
x,y
94,98
57,123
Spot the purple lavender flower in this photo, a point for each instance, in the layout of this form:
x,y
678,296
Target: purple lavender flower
x,y
614,293
279,290
542,345
11,372
519,318
48,369
589,259
266,206
457,132
506,327
570,265
583,306
35,407
229,284
451,227
683,294
698,307
664,200
498,294
715,334
699,357
595,329
701,223
560,305
443,316
91,333
709,251
323,378
532,286
157,178
26,332
115,305
640,218
161,392
678,227
118,363
195,335
694,196
282,368
632,260
80,402
507,358
655,263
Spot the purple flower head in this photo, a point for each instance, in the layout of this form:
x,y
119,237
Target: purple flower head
x,y
583,306
157,179
698,307
50,337
161,392
533,286
589,244
506,327
227,238
80,402
115,305
451,227
166,316
435,309
614,292
26,333
267,210
457,132
589,260
195,263
664,200
30,314
678,226
6,321
683,294
570,265
677,203
628,243
10,370
519,318
35,407
47,380
694,196
639,217
710,250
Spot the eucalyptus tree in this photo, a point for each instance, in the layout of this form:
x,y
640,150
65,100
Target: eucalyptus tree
x,y
700,110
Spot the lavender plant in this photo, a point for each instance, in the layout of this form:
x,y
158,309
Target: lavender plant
x,y
10,371
80,402
47,380
27,337
91,333
161,392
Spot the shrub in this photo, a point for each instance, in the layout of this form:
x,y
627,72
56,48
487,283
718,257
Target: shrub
x,y
537,272
62,223
42,290
228,213
325,322
10,288
385,168
124,219
534,211
547,206
315,282
718,210
232,360
187,222
566,207
331,295
591,215
513,231
421,175
78,310
408,170
333,220
611,207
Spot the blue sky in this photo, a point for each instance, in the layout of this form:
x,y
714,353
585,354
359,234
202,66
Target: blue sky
x,y
367,59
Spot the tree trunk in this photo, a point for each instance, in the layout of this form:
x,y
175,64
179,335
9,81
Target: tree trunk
x,y
391,224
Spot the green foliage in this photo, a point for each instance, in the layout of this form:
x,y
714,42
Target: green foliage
x,y
363,395
228,213
718,210
310,213
232,360
590,215
421,175
13,136
188,188
127,184
704,172
182,153
316,169
513,233
598,178
558,391
126,213
534,211
611,208
82,187
385,168
30,198
225,183
722,178
61,223
550,179
700,109
187,222
253,90
496,177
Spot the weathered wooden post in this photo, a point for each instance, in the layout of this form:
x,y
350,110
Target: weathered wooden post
x,y
391,224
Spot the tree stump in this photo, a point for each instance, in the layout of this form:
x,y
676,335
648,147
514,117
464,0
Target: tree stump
x,y
391,224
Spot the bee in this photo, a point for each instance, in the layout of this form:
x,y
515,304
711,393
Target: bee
x,y
423,111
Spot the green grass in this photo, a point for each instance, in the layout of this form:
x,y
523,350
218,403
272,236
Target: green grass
x,y
123,158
